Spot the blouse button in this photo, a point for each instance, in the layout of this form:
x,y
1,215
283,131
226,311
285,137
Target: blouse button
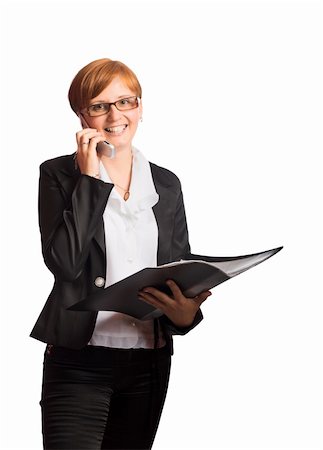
x,y
99,282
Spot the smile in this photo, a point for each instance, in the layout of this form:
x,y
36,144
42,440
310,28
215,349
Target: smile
x,y
116,130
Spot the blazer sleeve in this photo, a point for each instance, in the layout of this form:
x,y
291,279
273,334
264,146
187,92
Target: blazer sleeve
x,y
68,224
181,250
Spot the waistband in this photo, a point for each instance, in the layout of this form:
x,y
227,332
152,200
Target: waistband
x,y
93,353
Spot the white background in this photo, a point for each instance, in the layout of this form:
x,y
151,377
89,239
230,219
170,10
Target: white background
x,y
232,100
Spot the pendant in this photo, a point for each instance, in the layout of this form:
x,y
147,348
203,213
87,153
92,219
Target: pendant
x,y
126,196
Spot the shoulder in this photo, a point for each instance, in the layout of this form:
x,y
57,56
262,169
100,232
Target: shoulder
x,y
63,163
164,175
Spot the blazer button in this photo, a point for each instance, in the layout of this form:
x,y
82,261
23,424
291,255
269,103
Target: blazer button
x,y
99,282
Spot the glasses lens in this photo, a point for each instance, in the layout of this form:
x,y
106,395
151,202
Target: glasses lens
x,y
127,103
98,109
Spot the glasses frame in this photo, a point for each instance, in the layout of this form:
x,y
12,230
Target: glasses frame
x,y
86,110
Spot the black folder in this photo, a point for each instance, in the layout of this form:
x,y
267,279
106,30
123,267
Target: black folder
x,y
193,276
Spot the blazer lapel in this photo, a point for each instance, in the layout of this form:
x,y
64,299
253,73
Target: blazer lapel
x,y
100,237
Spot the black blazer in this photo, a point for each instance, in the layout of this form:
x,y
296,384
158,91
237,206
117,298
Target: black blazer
x,y
71,207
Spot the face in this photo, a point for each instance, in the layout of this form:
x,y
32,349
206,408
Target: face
x,y
119,127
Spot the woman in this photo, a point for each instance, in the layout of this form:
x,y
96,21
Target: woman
x,y
102,218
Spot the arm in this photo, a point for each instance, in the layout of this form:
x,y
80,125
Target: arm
x,y
67,225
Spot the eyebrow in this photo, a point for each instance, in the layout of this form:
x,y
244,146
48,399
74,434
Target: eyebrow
x,y
118,98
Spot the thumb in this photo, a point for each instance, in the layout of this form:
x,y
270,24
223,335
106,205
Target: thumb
x,y
199,299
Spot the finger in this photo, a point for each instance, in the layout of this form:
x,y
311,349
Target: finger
x,y
85,136
81,133
152,300
83,146
157,294
93,142
202,297
176,291
88,145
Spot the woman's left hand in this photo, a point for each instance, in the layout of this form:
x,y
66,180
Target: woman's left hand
x,y
179,309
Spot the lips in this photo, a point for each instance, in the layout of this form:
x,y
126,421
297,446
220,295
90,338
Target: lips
x,y
117,129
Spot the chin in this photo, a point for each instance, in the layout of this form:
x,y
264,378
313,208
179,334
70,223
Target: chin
x,y
119,145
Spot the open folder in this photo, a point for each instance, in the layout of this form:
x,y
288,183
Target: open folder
x,y
192,276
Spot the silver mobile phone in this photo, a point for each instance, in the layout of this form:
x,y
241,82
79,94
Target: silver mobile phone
x,y
107,149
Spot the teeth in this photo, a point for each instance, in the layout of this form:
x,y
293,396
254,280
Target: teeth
x,y
116,129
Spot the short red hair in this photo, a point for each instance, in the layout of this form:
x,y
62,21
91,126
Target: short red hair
x,y
96,76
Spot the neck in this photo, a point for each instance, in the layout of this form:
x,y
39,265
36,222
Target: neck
x,y
119,169
122,160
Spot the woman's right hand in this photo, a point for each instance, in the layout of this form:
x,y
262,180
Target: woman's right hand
x,y
86,154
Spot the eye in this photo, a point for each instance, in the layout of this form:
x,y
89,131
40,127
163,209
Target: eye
x,y
125,101
99,107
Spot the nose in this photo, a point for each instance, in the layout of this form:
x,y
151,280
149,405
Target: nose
x,y
113,111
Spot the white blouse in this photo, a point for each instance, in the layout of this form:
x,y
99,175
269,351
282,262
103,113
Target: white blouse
x,y
131,238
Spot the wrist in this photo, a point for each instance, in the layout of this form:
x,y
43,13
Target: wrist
x,y
181,324
92,174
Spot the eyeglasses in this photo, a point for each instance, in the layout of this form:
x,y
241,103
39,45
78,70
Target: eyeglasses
x,y
124,104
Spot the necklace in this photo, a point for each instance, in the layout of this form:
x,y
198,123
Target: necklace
x,y
126,195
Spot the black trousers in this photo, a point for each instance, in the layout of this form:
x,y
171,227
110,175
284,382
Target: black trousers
x,y
103,398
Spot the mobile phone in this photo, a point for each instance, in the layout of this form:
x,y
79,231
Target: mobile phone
x,y
105,148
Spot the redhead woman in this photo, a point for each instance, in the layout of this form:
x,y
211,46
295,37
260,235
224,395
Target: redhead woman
x,y
106,212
